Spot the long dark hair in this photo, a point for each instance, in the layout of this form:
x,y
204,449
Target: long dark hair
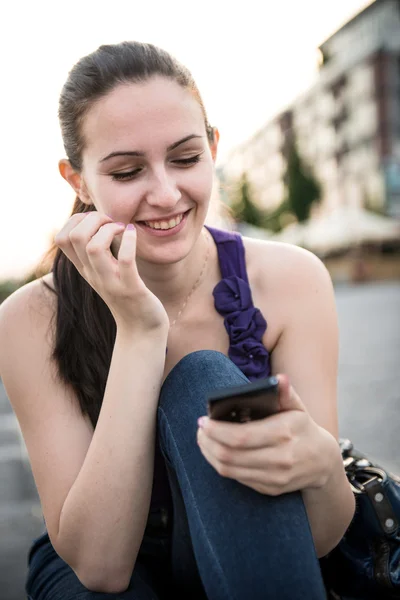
x,y
84,328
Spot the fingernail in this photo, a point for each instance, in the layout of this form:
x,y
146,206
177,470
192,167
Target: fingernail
x,y
120,224
201,421
131,227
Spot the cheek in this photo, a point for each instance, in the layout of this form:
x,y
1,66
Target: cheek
x,y
118,200
199,184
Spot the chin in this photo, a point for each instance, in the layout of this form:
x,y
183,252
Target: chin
x,y
167,255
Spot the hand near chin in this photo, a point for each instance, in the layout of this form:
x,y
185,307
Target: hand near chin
x,y
282,453
86,239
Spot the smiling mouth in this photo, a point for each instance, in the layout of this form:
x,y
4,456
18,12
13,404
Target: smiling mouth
x,y
164,224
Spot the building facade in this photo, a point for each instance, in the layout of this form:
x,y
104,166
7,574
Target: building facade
x,y
347,126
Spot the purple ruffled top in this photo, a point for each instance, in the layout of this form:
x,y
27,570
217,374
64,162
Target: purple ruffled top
x,y
243,322
245,326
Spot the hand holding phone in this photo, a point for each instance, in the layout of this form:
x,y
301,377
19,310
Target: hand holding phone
x,y
244,403
260,456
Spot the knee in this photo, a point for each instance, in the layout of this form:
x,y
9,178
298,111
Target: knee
x,y
203,365
202,359
194,376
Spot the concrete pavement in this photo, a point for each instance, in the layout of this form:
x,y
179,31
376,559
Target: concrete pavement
x,y
20,515
369,414
369,372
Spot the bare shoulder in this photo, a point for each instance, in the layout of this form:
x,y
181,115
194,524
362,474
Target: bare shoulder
x,y
284,267
32,305
26,330
287,284
296,293
36,295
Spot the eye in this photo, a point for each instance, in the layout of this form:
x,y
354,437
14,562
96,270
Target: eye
x,y
125,176
192,160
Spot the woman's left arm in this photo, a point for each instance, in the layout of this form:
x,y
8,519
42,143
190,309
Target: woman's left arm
x,y
307,351
296,449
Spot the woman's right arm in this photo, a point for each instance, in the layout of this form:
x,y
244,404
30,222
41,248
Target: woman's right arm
x,y
94,486
104,514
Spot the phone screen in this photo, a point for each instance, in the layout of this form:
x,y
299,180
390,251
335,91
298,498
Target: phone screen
x,y
248,402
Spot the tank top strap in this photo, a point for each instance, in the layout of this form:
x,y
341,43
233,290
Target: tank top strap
x,y
231,253
233,300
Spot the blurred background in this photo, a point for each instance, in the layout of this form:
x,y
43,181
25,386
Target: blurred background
x,y
307,100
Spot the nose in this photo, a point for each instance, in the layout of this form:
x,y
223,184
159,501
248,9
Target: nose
x,y
163,190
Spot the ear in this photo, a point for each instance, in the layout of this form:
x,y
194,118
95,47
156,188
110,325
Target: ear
x,y
75,180
214,144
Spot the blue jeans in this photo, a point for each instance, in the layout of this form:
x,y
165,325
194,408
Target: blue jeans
x,y
227,541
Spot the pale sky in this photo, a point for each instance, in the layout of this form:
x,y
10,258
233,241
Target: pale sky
x,y
249,58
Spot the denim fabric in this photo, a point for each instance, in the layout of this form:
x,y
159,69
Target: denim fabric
x,y
50,578
227,542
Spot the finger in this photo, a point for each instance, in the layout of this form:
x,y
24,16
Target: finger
x,y
64,243
99,249
261,433
260,458
268,488
233,471
127,256
288,398
83,232
271,481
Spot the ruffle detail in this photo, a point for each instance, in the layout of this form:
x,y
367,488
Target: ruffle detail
x,y
245,326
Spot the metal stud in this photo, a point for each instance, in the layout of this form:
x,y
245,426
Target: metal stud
x,y
389,523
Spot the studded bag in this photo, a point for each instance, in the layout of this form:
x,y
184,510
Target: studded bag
x,y
366,563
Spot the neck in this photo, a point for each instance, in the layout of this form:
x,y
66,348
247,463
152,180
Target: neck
x,y
171,283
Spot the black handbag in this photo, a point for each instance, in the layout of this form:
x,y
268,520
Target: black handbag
x,y
366,563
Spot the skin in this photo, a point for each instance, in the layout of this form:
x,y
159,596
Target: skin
x,y
163,186
144,280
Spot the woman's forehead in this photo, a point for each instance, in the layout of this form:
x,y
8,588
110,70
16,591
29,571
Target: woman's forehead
x,y
140,113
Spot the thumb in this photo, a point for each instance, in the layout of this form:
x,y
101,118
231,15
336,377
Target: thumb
x,y
288,398
127,256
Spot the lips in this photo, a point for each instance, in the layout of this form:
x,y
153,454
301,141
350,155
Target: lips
x,y
170,231
170,224
163,219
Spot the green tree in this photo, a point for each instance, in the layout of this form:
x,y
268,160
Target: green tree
x,y
243,207
278,218
302,187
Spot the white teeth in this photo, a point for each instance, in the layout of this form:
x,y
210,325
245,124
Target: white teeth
x,y
164,224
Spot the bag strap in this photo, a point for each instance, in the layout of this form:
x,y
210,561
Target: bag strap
x,y
383,509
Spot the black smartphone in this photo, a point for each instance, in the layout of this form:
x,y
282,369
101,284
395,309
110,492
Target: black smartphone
x,y
243,403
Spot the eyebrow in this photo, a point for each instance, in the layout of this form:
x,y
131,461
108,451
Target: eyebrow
x,y
136,153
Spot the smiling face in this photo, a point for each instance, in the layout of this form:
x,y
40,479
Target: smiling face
x,y
147,160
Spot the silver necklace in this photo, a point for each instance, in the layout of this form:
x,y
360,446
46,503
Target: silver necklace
x,y
196,283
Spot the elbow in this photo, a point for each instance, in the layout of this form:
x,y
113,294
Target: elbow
x,y
323,548
101,582
104,578
326,544
98,573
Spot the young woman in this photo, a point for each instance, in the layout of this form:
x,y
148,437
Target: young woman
x,y
108,359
